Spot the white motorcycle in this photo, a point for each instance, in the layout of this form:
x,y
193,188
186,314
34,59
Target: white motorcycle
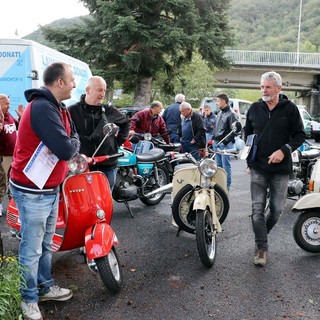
x,y
306,230
200,201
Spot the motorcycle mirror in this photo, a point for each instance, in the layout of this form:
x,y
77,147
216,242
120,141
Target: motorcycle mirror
x,y
148,136
109,128
236,127
134,139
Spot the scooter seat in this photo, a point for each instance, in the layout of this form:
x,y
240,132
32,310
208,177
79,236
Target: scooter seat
x,y
310,154
152,155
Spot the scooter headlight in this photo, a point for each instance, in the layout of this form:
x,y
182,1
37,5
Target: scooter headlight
x,y
78,164
208,168
100,214
147,136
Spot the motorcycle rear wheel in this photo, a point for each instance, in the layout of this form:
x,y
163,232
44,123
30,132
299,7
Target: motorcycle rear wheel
x,y
182,205
206,238
306,231
163,180
110,271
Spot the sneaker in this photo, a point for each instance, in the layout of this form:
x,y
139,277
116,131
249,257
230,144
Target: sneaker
x,y
260,258
1,210
31,311
56,293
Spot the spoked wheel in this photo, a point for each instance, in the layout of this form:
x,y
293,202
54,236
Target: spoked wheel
x,y
110,271
182,206
306,231
163,174
206,238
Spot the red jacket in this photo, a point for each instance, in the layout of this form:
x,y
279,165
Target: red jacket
x,y
143,122
8,135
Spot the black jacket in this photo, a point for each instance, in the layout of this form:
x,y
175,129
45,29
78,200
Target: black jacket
x,y
198,130
86,119
285,133
224,120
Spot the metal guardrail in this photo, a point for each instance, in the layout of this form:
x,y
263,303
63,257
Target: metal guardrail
x,y
289,59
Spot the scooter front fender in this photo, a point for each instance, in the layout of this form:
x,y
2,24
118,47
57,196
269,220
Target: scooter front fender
x,y
309,201
99,240
206,198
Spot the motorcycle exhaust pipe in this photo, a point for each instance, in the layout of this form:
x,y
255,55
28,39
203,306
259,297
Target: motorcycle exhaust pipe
x,y
167,189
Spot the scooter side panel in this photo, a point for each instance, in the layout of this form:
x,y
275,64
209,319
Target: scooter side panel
x,y
309,201
84,194
99,240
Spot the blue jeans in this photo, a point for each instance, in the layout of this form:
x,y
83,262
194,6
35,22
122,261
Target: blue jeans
x,y
174,138
190,148
38,215
261,224
224,161
111,175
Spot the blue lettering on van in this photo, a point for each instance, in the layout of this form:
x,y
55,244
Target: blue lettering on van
x,y
46,60
80,72
12,79
9,54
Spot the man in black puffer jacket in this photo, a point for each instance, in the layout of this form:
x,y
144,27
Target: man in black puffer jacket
x,y
277,120
89,115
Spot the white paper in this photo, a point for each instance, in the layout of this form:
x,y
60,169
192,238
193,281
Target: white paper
x,y
40,165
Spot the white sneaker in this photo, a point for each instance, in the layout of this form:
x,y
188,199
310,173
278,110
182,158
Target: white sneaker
x,y
1,210
56,293
31,311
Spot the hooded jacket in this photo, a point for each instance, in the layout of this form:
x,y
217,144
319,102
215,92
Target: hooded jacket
x,y
46,120
8,135
86,119
285,132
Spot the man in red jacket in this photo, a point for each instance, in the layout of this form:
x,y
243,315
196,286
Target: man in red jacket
x,y
8,135
149,120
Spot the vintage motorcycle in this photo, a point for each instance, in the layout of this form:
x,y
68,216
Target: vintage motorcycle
x,y
200,201
140,171
84,217
306,230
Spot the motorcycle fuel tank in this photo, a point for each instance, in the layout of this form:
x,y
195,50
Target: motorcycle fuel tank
x,y
128,159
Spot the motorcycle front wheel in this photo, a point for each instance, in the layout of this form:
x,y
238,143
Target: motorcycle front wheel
x,y
110,271
151,185
206,238
182,206
306,231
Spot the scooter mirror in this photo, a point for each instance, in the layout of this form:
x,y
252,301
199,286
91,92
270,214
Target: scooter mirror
x,y
109,129
236,127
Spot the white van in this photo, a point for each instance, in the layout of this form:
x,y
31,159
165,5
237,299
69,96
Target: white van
x,y
239,106
311,127
22,63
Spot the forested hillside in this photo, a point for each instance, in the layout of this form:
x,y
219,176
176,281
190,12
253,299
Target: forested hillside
x,y
261,25
273,25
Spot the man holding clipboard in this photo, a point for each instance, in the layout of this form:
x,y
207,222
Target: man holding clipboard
x,y
46,135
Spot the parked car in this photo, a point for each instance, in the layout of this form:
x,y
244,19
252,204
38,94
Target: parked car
x,y
311,127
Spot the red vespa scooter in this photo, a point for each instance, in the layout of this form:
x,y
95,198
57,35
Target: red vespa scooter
x,y
85,213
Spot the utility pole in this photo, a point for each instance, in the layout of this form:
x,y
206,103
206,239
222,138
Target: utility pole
x,y
299,28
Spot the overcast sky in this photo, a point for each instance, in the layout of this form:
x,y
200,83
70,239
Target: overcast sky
x,y
25,16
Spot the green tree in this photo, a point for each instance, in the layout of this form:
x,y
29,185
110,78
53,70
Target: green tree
x,y
136,41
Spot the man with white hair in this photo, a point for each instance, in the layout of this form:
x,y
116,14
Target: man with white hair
x,y
171,116
279,128
192,131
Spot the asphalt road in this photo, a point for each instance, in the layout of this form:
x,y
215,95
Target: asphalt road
x,y
164,278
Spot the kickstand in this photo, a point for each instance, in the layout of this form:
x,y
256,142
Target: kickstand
x,y
178,232
126,203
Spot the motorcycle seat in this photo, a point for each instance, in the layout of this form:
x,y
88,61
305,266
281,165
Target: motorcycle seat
x,y
310,154
152,155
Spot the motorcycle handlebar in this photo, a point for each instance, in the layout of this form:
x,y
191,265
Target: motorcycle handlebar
x,y
103,158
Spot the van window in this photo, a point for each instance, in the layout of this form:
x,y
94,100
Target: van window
x,y
244,107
